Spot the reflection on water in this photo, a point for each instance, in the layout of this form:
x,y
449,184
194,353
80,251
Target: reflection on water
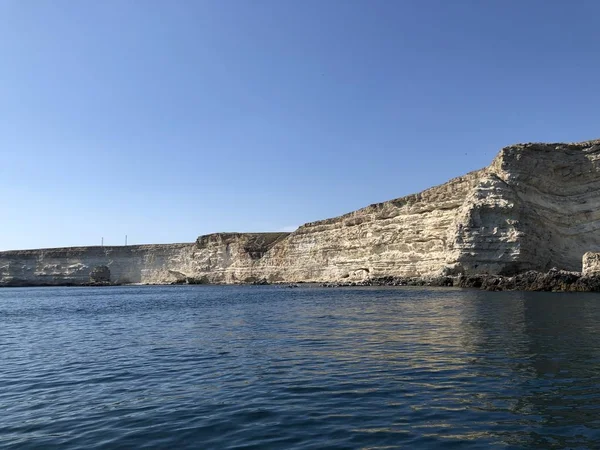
x,y
265,367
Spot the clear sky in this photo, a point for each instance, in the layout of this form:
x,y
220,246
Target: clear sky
x,y
165,120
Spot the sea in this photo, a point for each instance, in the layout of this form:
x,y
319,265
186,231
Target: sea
x,y
272,367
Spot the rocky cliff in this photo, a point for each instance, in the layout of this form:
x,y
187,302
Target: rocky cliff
x,y
73,265
409,236
215,258
536,207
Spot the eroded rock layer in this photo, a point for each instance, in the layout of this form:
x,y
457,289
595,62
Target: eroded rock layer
x,y
536,207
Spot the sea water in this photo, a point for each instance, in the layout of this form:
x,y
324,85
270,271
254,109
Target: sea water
x,y
268,367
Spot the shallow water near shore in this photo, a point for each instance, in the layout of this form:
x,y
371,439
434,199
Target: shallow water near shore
x,y
267,367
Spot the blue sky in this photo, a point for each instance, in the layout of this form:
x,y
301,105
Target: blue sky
x,y
167,120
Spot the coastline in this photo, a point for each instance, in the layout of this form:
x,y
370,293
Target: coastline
x,y
535,207
532,281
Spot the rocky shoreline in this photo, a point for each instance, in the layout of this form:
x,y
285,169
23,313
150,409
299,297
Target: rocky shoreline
x,y
551,281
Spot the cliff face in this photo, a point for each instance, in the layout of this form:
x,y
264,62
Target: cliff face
x,y
232,257
215,258
557,188
537,206
408,236
131,264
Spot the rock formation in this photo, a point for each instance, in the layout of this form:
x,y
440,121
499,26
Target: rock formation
x,y
100,274
536,207
215,258
591,264
72,265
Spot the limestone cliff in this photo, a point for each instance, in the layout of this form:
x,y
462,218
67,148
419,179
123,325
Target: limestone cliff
x,y
232,257
556,188
215,258
410,236
73,265
537,206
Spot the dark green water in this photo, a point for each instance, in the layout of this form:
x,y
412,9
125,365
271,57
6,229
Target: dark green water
x,y
309,368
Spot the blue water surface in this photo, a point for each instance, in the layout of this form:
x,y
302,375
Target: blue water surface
x,y
266,367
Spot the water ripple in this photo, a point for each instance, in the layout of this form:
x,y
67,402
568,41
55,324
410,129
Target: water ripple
x,y
309,368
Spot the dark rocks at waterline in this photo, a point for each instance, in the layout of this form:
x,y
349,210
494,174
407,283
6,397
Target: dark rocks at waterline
x,y
193,280
552,281
395,281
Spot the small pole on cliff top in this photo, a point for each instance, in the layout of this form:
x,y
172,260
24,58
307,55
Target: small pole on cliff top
x,y
125,240
102,242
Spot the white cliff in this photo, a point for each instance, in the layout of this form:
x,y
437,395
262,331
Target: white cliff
x,y
72,265
537,206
